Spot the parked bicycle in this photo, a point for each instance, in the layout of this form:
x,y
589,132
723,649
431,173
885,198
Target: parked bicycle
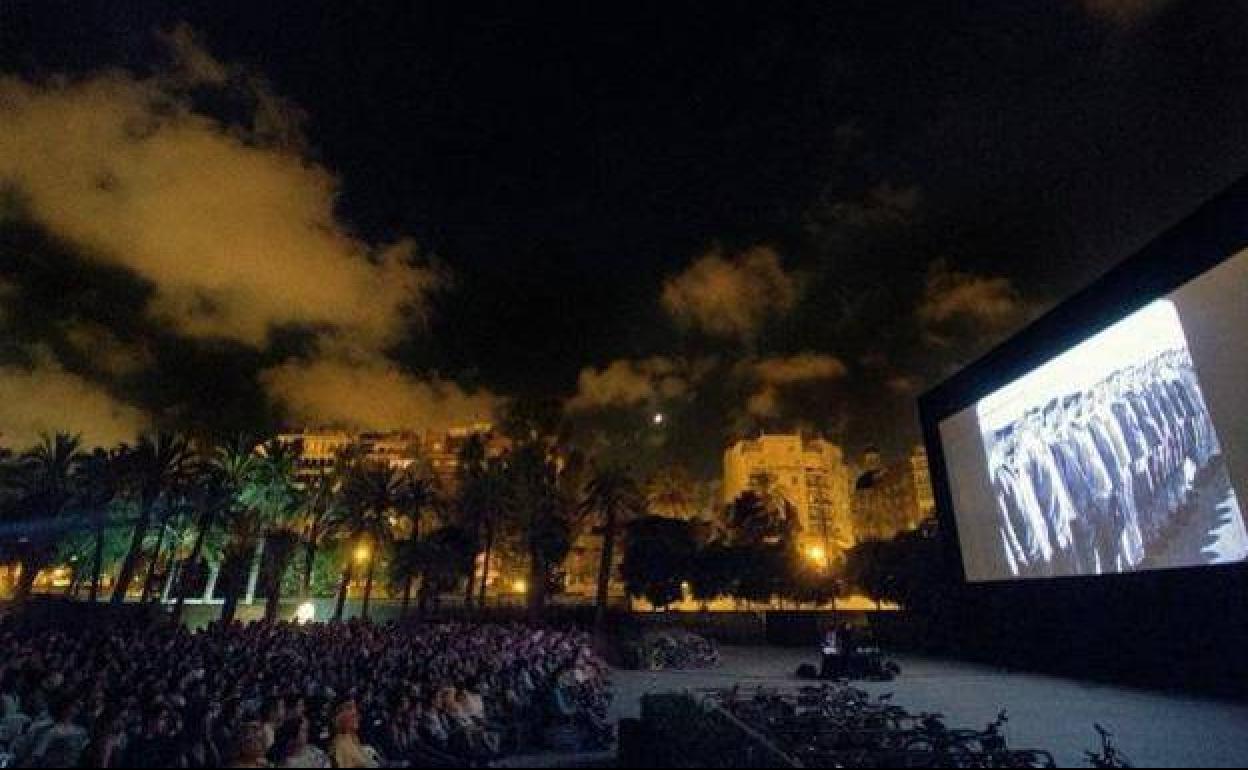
x,y
1109,755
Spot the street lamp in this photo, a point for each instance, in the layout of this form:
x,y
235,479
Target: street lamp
x,y
361,553
817,555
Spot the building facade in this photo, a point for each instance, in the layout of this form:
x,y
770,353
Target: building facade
x,y
807,472
436,451
894,498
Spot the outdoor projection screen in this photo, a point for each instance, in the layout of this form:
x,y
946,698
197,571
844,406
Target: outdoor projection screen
x,y
1120,454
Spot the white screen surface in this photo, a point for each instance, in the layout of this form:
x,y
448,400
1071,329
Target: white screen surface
x,y
1122,453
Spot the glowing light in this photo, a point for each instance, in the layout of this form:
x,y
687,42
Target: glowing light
x,y
362,553
816,554
658,418
305,613
520,586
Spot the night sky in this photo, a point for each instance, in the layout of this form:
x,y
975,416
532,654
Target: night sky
x,y
744,215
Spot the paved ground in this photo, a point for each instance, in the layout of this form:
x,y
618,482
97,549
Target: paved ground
x,y
1153,729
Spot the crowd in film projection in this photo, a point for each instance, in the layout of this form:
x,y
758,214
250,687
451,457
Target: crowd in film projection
x,y
129,694
1096,481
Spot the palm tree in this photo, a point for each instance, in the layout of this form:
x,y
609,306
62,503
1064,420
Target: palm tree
x,y
485,501
614,496
42,479
211,496
373,492
470,468
98,484
239,465
152,467
670,493
406,564
278,502
543,496
322,513
172,507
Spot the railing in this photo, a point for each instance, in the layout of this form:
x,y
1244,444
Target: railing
x,y
681,730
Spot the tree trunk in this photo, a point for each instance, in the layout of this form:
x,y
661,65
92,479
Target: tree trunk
x,y
425,596
230,607
368,586
272,606
175,566
604,569
126,576
26,583
470,589
280,559
407,597
97,560
151,568
192,561
74,582
309,561
343,585
485,566
537,586
210,587
253,574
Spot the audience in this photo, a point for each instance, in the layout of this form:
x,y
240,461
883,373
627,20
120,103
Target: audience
x,y
345,695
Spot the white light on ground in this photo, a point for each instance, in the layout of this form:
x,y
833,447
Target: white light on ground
x,y
305,613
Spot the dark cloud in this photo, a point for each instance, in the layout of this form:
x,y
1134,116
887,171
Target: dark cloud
x,y
601,195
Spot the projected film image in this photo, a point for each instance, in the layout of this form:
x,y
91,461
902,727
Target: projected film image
x,y
1106,459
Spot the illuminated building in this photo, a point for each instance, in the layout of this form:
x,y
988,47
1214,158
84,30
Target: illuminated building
x,y
892,499
807,472
436,451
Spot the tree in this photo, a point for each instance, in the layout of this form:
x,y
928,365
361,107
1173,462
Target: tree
x,y
236,559
98,484
615,498
439,560
323,512
868,569
278,502
210,497
470,469
485,503
908,570
543,507
762,571
714,572
242,519
754,519
670,492
406,566
151,468
544,480
41,483
657,558
372,494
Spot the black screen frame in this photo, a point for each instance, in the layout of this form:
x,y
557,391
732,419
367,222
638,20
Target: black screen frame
x,y
1211,235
